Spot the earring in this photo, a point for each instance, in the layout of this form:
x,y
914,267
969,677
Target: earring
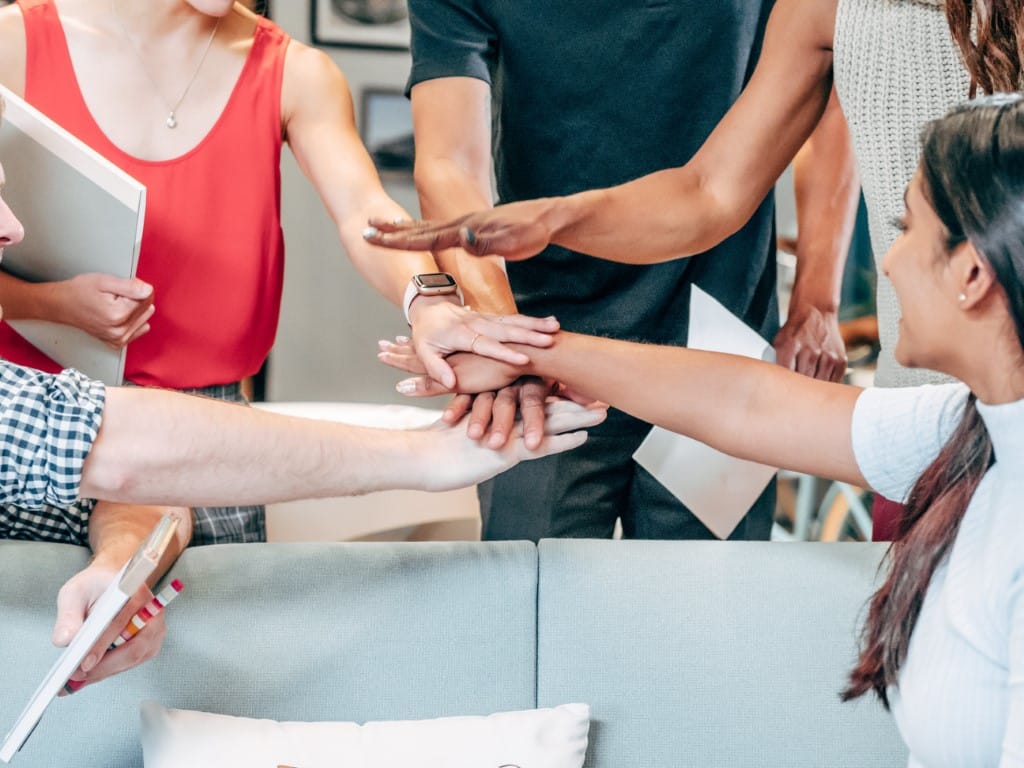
x,y
962,297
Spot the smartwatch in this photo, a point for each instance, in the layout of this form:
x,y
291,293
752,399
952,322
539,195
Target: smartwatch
x,y
429,284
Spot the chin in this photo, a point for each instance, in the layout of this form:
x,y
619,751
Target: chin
x,y
215,8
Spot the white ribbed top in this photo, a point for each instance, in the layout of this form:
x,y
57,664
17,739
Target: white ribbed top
x,y
960,699
896,67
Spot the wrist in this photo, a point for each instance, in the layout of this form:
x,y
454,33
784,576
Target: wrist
x,y
430,285
560,214
418,303
824,301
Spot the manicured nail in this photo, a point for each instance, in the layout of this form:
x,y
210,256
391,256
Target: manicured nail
x,y
90,662
370,232
470,237
406,387
383,345
402,339
73,685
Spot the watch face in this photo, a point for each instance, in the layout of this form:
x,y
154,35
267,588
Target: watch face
x,y
435,280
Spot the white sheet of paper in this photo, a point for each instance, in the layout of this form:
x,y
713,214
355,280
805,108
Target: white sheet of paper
x,y
717,488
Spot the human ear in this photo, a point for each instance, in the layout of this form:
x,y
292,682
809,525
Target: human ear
x,y
972,275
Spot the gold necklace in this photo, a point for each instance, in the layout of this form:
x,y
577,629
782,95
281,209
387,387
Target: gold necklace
x,y
172,120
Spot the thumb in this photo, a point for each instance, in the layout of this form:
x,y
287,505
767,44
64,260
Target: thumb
x,y
133,288
439,370
71,609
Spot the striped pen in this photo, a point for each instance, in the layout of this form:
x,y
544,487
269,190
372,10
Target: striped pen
x,y
137,622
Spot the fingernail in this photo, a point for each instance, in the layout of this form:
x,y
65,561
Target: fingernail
x,y
383,345
406,387
73,685
402,339
370,232
90,662
398,221
62,636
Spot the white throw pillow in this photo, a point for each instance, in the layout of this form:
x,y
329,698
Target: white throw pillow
x,y
538,738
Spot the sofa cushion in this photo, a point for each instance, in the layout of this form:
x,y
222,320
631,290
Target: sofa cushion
x,y
729,654
288,632
540,738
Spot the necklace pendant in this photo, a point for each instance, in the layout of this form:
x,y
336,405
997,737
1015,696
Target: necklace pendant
x,y
172,122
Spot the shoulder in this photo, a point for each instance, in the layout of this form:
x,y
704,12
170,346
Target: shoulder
x,y
311,80
12,48
897,432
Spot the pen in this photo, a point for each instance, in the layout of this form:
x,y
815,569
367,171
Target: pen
x,y
137,622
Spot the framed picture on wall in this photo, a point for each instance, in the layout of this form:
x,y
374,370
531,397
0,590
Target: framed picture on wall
x,y
386,120
381,24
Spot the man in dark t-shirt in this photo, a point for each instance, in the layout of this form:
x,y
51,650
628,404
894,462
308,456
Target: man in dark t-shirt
x,y
587,94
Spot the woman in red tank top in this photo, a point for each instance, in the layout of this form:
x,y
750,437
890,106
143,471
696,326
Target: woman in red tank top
x,y
194,98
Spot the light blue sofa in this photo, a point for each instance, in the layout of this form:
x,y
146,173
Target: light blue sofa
x,y
699,654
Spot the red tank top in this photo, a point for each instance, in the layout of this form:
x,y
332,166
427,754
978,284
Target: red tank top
x,y
212,245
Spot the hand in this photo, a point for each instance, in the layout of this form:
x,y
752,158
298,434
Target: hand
x,y
810,343
516,231
75,599
111,309
474,374
467,462
440,327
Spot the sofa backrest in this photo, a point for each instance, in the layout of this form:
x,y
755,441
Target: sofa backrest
x,y
288,632
722,654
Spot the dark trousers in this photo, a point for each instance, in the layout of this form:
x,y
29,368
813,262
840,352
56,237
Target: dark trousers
x,y
580,493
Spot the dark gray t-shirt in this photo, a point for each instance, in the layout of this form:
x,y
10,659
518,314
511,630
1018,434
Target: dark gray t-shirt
x,y
592,93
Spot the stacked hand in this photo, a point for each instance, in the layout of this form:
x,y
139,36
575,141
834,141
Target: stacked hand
x,y
440,327
515,231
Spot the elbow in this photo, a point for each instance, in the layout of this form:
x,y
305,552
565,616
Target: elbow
x,y
109,480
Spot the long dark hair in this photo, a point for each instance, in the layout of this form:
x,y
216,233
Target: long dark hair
x,y
972,170
990,35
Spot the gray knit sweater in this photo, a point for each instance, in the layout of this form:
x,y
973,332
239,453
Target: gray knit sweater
x,y
896,67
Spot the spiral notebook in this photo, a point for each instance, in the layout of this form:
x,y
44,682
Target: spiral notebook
x,y
81,214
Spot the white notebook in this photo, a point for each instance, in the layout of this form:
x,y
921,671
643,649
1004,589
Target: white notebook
x,y
103,612
81,214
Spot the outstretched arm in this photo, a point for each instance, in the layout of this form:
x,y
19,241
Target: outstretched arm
x,y
160,447
682,211
319,124
743,407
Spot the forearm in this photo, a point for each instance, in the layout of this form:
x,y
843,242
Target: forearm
x,y
827,190
388,272
22,300
116,530
659,217
447,190
159,447
743,407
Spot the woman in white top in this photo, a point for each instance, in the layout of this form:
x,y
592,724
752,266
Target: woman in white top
x,y
897,64
944,639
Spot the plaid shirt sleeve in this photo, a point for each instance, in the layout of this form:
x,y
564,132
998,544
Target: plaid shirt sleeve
x,y
47,427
